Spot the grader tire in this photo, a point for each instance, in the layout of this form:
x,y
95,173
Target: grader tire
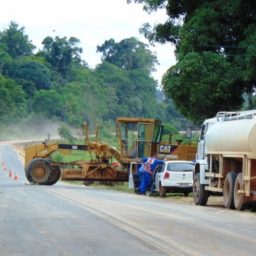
x,y
29,178
39,171
88,183
239,201
55,175
228,190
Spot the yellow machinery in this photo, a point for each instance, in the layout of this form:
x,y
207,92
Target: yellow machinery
x,y
137,138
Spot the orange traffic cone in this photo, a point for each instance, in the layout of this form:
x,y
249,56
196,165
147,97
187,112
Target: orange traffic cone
x,y
10,173
16,176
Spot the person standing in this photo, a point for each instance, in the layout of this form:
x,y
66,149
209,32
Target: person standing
x,y
147,168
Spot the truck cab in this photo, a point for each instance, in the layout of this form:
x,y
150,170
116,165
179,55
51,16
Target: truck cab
x,y
138,137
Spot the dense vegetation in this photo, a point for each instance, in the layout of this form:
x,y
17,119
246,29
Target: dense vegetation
x,y
215,51
56,83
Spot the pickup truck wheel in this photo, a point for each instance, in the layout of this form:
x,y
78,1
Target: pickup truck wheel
x,y
200,195
228,190
39,171
239,201
162,191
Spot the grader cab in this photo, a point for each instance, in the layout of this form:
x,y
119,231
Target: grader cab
x,y
137,138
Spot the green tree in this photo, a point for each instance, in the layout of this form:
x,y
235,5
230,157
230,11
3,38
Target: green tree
x,y
127,68
145,88
27,70
221,30
66,134
207,78
61,53
13,104
56,84
49,103
16,42
128,54
126,91
118,86
5,59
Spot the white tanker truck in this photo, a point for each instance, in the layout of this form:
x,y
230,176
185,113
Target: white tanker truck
x,y
226,160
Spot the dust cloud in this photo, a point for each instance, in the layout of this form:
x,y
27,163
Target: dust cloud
x,y
32,128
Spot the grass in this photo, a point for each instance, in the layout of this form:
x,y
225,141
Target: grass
x,y
71,157
121,186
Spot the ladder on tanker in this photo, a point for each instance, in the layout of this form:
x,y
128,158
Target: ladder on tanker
x,y
239,115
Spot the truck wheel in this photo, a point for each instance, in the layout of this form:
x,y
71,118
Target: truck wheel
x,y
162,191
228,190
39,171
200,195
238,198
54,176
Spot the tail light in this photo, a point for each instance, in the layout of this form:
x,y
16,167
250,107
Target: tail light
x,y
166,175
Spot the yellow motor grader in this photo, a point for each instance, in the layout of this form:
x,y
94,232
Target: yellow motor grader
x,y
137,138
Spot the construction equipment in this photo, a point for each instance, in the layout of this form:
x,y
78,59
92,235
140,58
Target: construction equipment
x,y
226,160
137,138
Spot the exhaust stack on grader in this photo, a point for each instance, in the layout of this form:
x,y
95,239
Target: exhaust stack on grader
x,y
137,138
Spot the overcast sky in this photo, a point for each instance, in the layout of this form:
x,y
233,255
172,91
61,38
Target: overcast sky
x,y
91,21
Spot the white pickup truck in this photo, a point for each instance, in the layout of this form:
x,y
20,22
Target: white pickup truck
x,y
173,176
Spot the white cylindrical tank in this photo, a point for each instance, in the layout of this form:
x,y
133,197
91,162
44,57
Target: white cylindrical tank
x,y
232,136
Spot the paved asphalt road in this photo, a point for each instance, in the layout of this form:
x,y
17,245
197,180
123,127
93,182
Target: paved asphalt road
x,y
75,220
